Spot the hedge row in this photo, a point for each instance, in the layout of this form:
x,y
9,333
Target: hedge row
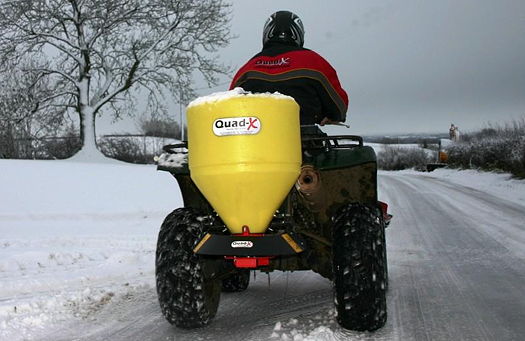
x,y
394,157
502,153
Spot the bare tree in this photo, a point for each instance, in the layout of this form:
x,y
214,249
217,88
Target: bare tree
x,y
103,54
20,93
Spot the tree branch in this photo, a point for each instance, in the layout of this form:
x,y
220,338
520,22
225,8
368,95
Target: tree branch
x,y
127,84
46,71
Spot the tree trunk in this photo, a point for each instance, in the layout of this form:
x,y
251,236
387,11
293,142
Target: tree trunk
x,y
87,127
89,151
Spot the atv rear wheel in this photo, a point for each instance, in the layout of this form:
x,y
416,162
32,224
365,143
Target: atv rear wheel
x,y
237,281
187,292
359,263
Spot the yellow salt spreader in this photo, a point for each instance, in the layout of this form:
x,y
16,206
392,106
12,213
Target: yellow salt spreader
x,y
263,193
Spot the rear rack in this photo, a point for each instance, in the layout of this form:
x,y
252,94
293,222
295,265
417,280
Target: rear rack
x,y
332,142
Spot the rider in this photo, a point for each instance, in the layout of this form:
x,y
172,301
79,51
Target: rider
x,y
285,66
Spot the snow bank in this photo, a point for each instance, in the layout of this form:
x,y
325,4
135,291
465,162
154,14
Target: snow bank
x,y
68,189
73,236
501,185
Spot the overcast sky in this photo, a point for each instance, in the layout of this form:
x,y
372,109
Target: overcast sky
x,y
408,65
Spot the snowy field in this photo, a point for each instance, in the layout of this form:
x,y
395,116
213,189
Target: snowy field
x,y
76,237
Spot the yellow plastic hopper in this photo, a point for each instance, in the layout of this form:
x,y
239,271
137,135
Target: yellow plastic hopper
x,y
244,155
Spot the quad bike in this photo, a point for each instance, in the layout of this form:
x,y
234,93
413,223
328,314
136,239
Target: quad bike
x,y
261,192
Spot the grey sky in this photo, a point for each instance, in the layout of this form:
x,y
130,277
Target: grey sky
x,y
408,66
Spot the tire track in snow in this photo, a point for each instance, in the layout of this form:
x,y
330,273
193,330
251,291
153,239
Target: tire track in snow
x,y
468,266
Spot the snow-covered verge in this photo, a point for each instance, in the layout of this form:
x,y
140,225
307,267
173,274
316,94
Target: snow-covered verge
x,y
74,236
501,185
78,237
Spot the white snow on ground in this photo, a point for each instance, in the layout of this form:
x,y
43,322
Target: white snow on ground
x,y
75,236
321,327
501,185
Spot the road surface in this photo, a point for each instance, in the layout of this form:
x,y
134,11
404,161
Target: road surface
x,y
457,272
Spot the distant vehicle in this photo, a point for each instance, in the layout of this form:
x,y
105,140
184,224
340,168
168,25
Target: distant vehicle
x,y
442,156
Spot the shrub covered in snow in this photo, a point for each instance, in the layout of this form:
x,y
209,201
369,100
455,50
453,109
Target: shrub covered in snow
x,y
160,127
495,148
133,148
128,148
394,157
58,148
124,149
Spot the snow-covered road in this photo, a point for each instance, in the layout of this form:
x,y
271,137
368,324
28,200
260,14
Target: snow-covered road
x,y
456,264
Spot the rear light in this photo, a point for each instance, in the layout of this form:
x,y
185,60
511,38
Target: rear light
x,y
250,262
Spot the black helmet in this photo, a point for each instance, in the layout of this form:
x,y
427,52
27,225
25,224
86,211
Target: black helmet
x,y
284,26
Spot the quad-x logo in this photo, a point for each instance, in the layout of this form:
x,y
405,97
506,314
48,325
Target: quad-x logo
x,y
273,62
245,244
236,126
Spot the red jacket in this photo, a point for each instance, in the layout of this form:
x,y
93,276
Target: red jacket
x,y
299,73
